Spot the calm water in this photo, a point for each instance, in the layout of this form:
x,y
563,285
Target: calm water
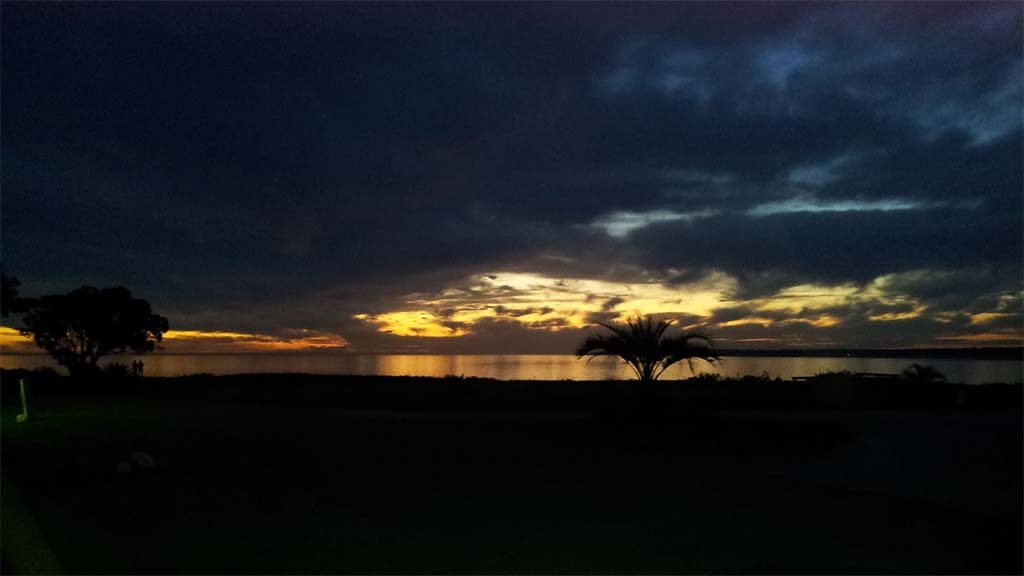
x,y
538,367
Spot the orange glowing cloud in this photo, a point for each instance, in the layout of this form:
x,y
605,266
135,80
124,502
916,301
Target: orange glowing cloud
x,y
215,341
1010,338
986,317
550,304
545,303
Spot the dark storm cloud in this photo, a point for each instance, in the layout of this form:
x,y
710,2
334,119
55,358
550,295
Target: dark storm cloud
x,y
836,246
265,166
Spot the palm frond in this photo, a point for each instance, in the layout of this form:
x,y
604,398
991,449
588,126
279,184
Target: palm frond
x,y
641,343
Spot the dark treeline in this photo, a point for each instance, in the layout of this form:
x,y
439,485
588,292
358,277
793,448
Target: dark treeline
x,y
830,391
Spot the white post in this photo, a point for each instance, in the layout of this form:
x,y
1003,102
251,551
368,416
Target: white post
x,y
24,403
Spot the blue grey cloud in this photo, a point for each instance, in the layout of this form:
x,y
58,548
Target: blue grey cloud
x,y
271,167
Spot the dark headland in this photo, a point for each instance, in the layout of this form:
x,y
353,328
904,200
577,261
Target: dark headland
x,y
327,474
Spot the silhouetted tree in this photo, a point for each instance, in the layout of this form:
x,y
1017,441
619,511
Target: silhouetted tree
x,y
643,345
922,374
82,326
10,302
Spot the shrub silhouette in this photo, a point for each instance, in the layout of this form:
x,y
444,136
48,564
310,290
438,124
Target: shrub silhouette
x,y
82,326
643,345
117,371
922,374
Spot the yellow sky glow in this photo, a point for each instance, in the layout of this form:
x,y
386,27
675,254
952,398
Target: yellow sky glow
x,y
891,316
1013,338
823,321
295,340
12,341
545,303
209,341
986,317
749,320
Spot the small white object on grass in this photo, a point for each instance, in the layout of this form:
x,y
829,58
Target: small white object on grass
x,y
143,460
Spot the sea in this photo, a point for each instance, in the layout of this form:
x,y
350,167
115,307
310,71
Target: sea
x,y
537,366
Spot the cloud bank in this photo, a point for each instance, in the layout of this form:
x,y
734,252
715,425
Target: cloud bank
x,y
777,175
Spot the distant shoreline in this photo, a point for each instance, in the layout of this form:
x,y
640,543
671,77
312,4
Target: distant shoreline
x,y
991,353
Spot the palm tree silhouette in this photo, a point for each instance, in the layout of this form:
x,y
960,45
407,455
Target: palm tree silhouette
x,y
922,374
642,344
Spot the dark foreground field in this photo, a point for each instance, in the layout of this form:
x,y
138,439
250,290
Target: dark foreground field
x,y
300,474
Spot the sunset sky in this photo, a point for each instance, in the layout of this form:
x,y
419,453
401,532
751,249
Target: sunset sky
x,y
496,177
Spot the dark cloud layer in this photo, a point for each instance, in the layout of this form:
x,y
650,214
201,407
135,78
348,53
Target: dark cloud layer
x,y
265,167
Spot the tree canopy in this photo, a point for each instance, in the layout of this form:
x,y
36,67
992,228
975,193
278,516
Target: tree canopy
x,y
82,326
643,344
9,299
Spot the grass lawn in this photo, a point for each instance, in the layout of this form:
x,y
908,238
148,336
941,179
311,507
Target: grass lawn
x,y
265,489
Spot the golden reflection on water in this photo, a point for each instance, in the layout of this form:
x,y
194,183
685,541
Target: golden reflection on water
x,y
531,367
